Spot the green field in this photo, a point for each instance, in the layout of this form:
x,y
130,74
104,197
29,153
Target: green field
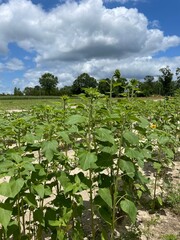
x,y
27,103
120,153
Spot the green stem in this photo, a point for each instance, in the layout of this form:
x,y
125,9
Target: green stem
x,y
23,217
110,96
116,186
89,140
18,216
91,205
155,187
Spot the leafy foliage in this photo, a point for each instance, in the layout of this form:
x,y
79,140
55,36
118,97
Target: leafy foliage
x,y
51,154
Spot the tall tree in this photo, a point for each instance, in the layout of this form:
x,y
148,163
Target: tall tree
x,y
132,87
119,83
17,92
48,83
178,78
147,87
166,80
178,73
104,86
83,81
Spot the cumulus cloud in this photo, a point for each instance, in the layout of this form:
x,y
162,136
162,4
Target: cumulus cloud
x,y
92,31
13,64
80,36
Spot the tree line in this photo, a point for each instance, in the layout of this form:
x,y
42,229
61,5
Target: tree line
x,y
117,85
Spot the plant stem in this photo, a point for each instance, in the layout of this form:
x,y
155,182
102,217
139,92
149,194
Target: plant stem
x,y
154,193
18,216
110,95
23,218
91,205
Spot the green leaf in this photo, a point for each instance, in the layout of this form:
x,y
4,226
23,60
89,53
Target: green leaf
x,y
162,140
129,207
159,199
169,153
30,199
131,138
105,214
39,216
16,157
105,194
5,214
30,138
49,148
12,188
66,183
133,153
16,186
157,166
144,123
5,189
75,119
65,137
104,135
128,167
40,190
87,160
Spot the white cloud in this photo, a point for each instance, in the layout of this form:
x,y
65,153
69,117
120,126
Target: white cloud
x,y
13,64
81,37
75,31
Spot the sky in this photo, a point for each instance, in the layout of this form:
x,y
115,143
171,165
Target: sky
x,y
69,37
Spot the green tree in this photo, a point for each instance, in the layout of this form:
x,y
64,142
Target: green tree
x,y
28,91
132,87
178,78
83,81
166,80
17,92
48,83
178,73
147,87
104,86
66,90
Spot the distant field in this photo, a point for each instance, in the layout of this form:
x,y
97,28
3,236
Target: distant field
x,y
12,103
27,102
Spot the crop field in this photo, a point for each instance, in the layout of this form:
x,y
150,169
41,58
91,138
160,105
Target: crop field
x,y
20,103
90,169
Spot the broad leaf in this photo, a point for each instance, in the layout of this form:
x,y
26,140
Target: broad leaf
x,y
105,214
128,167
65,137
87,160
75,119
12,188
129,207
66,182
30,199
131,138
39,189
104,135
5,214
106,196
50,148
144,123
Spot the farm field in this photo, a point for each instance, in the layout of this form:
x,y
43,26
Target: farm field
x,y
90,169
27,103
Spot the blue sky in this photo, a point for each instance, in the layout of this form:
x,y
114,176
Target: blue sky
x,y
67,38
